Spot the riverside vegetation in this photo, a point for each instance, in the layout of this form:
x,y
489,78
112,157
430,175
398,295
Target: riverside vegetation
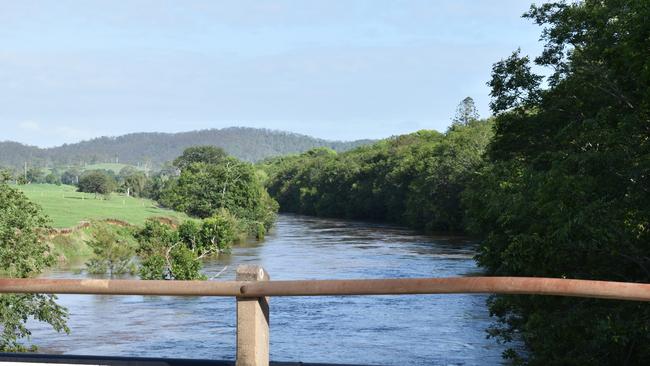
x,y
554,184
414,180
222,199
566,192
23,254
225,195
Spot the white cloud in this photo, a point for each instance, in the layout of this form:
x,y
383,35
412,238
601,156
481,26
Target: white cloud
x,y
30,126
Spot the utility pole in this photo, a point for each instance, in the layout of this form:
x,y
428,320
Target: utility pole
x,y
25,171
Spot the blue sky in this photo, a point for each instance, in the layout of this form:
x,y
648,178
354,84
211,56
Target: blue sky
x,y
348,69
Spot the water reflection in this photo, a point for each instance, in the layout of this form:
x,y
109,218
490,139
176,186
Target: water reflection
x,y
383,330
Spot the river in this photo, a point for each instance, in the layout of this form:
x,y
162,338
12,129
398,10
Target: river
x,y
375,330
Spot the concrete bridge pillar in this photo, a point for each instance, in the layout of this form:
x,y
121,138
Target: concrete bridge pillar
x,y
252,321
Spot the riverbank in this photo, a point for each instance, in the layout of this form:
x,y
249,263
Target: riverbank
x,y
71,244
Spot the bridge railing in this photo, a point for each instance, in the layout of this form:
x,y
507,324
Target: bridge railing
x,y
253,287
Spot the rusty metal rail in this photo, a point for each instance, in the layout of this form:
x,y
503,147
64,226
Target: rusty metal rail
x,y
403,286
253,289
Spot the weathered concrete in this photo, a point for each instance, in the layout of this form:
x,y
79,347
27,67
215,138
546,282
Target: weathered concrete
x,y
252,321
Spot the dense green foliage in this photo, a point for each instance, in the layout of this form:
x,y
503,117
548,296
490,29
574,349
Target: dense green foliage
x,y
207,186
97,182
35,175
163,255
52,179
152,150
22,254
132,182
566,193
413,179
226,193
113,251
175,253
200,154
70,176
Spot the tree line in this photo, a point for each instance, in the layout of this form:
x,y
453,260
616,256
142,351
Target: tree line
x,y
414,179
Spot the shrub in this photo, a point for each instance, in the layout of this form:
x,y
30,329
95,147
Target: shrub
x,y
152,267
218,232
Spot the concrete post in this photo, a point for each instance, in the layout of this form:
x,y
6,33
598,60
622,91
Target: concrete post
x,y
252,321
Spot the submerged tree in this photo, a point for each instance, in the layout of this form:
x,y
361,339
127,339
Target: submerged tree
x,y
113,252
168,253
23,254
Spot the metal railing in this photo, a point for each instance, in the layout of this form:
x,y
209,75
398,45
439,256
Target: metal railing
x,y
253,287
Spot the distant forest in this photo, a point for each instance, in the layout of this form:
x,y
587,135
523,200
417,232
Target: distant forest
x,y
250,144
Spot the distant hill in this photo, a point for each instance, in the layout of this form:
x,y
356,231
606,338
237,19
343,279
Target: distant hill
x,y
251,144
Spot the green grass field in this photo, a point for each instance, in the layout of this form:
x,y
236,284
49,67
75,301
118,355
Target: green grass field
x,y
66,207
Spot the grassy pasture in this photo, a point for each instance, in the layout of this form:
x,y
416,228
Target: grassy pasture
x,y
66,207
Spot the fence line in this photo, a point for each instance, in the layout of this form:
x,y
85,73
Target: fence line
x,y
402,286
253,287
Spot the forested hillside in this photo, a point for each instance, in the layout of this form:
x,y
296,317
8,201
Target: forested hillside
x,y
250,144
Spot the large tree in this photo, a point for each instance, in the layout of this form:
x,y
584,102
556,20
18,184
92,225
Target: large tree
x,y
204,188
35,175
23,254
70,176
200,154
97,182
566,193
132,181
466,112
